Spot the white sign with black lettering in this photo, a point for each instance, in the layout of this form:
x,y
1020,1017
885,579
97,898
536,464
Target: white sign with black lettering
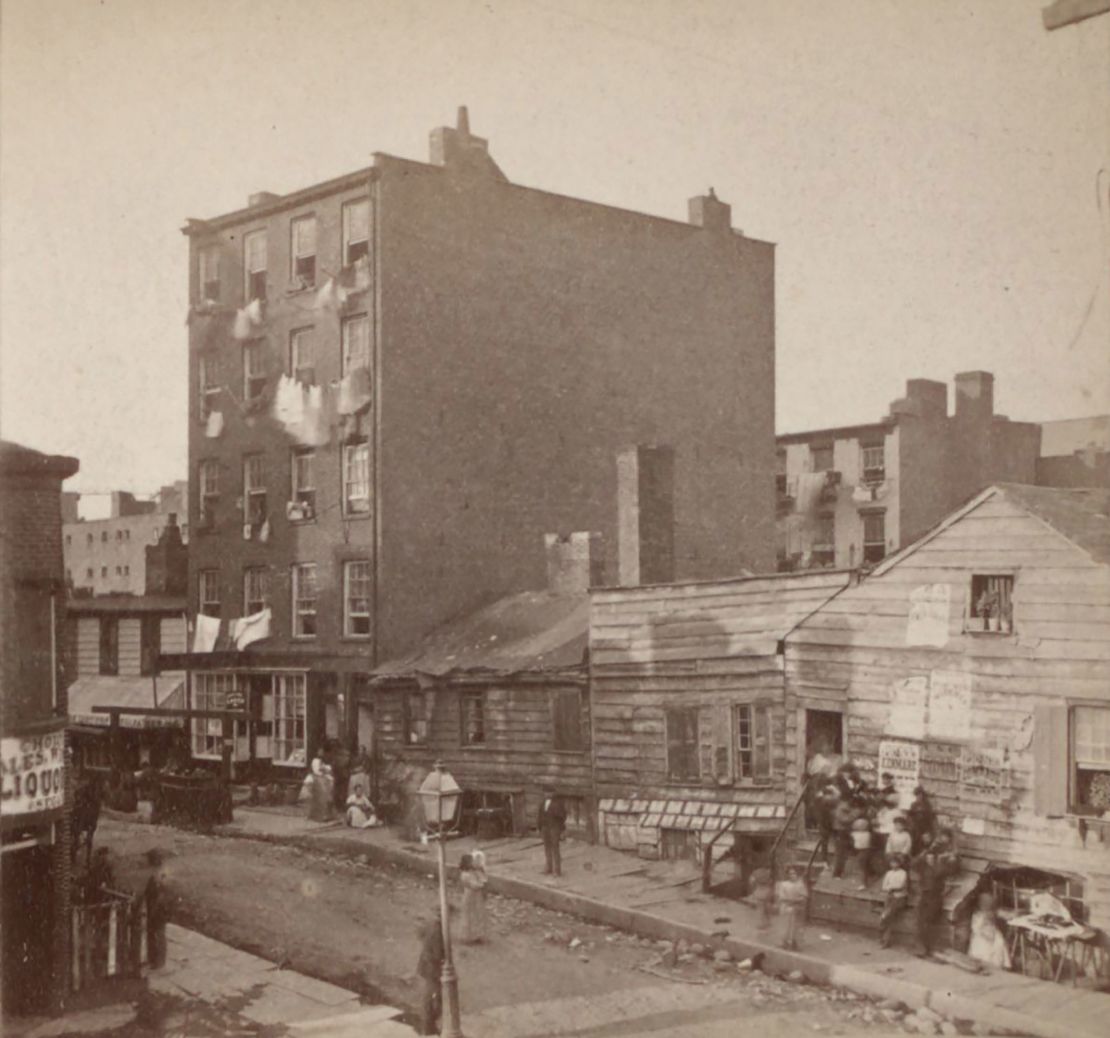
x,y
902,760
32,773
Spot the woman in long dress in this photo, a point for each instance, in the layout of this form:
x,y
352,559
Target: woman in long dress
x,y
473,925
320,792
988,943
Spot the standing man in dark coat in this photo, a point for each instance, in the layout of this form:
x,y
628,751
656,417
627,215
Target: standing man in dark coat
x,y
932,868
552,822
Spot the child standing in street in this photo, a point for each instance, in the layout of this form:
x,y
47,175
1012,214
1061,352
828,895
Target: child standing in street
x,y
791,895
762,896
895,896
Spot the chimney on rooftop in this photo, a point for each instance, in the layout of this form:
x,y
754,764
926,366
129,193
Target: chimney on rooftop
x,y
710,212
456,146
924,398
574,562
645,515
975,395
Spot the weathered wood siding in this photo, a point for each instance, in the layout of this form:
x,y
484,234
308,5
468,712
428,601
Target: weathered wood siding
x,y
853,652
88,646
518,754
173,634
130,646
711,646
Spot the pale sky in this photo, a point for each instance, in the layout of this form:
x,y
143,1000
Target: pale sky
x,y
929,170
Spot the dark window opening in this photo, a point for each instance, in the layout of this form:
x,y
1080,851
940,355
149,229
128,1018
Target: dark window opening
x,y
109,645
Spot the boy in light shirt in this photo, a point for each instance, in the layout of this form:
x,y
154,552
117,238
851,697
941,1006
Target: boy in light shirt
x,y
899,841
895,896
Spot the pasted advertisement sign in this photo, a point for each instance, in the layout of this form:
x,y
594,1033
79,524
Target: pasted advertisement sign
x,y
32,773
928,619
949,705
984,774
903,761
908,701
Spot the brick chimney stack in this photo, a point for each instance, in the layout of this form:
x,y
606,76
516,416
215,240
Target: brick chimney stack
x,y
645,516
574,562
710,212
975,395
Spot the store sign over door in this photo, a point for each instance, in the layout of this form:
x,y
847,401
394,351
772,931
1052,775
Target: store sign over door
x,y
32,773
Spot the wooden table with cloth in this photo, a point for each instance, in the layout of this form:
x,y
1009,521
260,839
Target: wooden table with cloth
x,y
1055,942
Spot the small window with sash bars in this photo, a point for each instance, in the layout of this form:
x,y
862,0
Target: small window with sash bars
x,y
254,265
304,600
302,355
254,488
256,589
302,232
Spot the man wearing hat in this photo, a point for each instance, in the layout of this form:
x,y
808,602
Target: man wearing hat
x,y
551,823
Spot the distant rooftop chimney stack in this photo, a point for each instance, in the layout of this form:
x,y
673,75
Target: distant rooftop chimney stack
x,y
924,398
975,395
710,212
261,198
574,562
457,148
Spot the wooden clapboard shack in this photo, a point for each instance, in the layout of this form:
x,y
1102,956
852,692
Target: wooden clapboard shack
x,y
976,662
687,701
500,696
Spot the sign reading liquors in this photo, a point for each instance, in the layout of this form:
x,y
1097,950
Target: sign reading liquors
x,y
32,773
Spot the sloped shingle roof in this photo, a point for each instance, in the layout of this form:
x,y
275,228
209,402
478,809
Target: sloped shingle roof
x,y
529,631
1082,515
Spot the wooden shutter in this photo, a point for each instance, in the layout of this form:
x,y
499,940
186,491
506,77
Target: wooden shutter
x,y
682,743
1051,760
761,740
567,721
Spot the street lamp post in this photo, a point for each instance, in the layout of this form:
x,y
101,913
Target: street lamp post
x,y
440,794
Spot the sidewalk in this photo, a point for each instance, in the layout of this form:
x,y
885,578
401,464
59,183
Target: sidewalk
x,y
207,989
654,899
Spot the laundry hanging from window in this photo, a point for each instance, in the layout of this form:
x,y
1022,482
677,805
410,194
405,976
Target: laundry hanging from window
x,y
247,319
250,629
354,391
215,425
206,634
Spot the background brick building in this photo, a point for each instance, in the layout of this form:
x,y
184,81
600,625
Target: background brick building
x,y
515,341
852,495
33,708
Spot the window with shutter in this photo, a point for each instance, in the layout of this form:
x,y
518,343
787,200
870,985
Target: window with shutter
x,y
1090,759
1050,756
567,723
752,727
682,744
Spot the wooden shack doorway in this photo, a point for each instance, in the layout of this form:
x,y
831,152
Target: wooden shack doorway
x,y
824,738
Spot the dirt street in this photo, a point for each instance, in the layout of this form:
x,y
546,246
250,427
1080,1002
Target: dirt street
x,y
355,925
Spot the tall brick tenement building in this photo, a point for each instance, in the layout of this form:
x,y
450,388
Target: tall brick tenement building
x,y
470,356
33,806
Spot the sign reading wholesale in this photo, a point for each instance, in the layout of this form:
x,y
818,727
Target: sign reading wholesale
x,y
32,773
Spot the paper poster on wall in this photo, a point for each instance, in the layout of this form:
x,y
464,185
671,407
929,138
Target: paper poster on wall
x,y
973,826
949,705
908,699
903,761
927,623
984,774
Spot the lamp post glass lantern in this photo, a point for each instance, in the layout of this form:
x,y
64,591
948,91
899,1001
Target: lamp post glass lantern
x,y
440,795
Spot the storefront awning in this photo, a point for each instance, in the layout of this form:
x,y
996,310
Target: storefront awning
x,y
699,814
166,691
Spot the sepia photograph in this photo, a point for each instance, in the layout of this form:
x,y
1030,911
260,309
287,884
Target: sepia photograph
x,y
534,518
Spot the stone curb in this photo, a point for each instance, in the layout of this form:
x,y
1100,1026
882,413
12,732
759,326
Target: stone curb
x,y
775,960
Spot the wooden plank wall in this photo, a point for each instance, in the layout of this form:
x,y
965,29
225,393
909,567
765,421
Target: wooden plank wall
x,y
130,646
854,651
518,753
174,635
88,646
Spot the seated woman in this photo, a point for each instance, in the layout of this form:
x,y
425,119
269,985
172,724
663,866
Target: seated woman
x,y
988,943
360,812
